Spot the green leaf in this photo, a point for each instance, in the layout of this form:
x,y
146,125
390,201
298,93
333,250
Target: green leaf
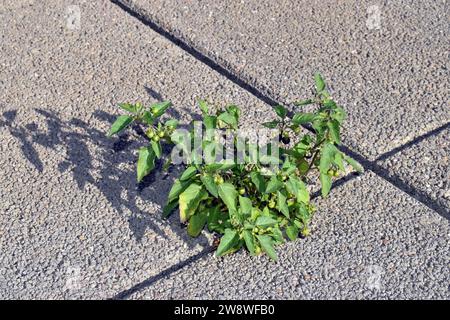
x,y
146,162
326,157
334,128
303,145
255,214
121,123
233,110
325,180
209,122
339,114
190,199
128,107
329,104
267,245
320,83
159,108
209,151
303,214
228,241
177,188
280,111
228,194
208,182
277,235
303,102
319,127
266,212
265,221
245,205
292,231
303,194
293,184
338,160
288,166
147,118
282,204
203,106
156,146
258,181
196,224
249,242
271,124
302,118
298,189
220,166
274,184
188,173
168,208
228,119
355,164
171,123
216,220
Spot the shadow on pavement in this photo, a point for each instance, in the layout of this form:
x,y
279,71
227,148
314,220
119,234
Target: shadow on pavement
x,y
72,138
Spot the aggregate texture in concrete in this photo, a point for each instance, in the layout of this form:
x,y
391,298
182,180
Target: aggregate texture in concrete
x,y
75,224
426,166
73,221
386,61
369,241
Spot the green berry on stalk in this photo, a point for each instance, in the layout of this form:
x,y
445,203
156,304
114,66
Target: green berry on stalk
x,y
305,232
150,133
218,179
242,191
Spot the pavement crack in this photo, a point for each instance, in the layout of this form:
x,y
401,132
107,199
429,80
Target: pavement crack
x,y
366,163
163,274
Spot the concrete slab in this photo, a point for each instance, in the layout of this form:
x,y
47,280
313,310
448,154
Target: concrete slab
x,y
369,240
387,63
426,167
73,221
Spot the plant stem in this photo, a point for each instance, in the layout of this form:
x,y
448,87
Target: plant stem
x,y
314,156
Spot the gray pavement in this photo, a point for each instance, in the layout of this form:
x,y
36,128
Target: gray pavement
x,y
386,71
368,241
73,221
425,165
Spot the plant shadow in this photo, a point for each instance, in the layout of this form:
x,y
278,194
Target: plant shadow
x,y
109,166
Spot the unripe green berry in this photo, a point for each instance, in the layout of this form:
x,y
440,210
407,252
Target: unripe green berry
x,y
218,179
305,232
